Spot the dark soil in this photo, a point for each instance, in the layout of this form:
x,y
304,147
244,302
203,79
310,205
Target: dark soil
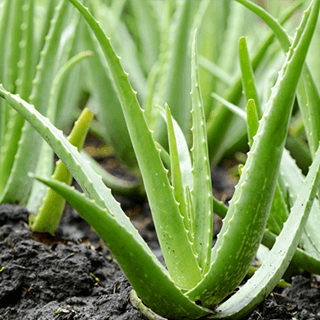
x,y
68,277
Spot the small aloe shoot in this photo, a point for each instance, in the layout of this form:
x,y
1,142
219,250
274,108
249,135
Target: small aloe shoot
x,y
49,214
197,277
45,164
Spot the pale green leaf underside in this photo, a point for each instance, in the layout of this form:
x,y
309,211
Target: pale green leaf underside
x,y
183,150
176,176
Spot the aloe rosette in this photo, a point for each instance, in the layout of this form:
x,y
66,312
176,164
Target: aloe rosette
x,y
182,207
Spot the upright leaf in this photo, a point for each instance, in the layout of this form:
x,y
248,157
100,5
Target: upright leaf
x,y
248,214
166,215
268,275
201,191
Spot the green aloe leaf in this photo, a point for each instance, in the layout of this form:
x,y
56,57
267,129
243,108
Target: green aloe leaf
x,y
300,258
268,275
49,214
309,101
293,178
46,164
147,276
24,75
165,210
278,214
110,115
201,190
231,258
103,207
307,94
4,25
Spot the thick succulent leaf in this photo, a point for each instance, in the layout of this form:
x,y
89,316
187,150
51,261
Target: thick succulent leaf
x,y
4,26
268,275
190,214
307,93
300,257
106,208
12,47
293,177
278,212
313,59
168,222
69,154
247,213
147,276
201,191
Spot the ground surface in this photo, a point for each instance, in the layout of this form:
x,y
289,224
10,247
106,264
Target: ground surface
x,y
67,277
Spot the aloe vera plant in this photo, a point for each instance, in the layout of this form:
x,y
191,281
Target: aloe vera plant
x,y
182,207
